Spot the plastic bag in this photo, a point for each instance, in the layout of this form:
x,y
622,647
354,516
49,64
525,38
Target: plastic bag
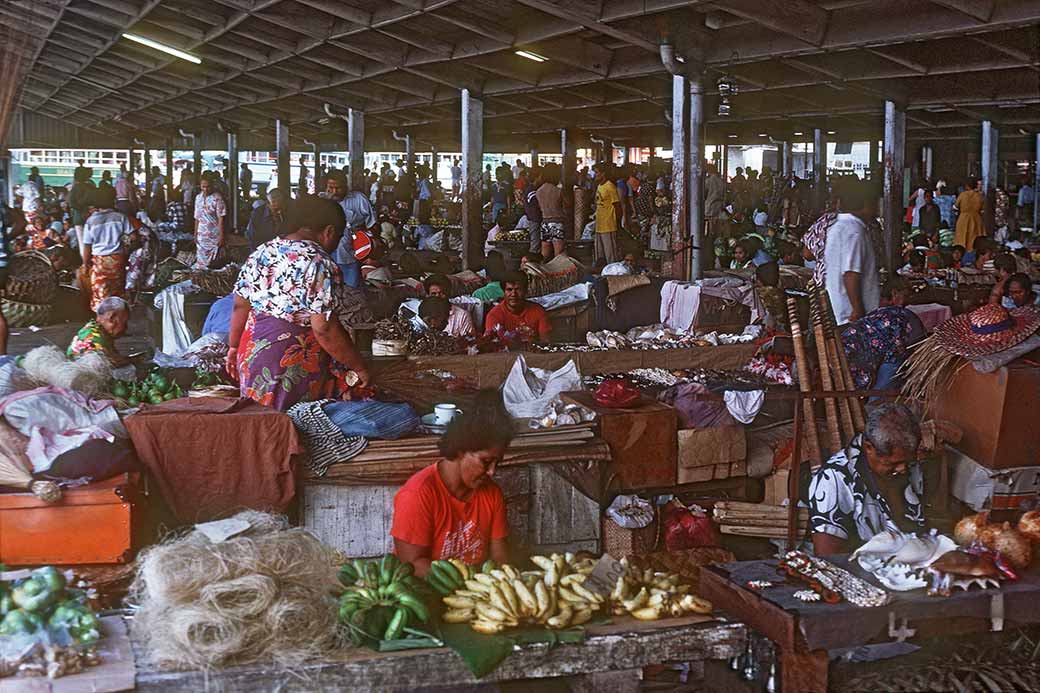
x,y
687,528
528,392
631,512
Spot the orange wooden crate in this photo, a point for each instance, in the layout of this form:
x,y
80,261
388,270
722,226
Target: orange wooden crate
x,y
90,524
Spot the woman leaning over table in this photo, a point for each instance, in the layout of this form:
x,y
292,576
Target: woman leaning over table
x,y
452,508
286,339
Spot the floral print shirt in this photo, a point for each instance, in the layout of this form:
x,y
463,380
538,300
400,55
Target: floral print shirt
x,y
882,336
291,280
91,337
845,502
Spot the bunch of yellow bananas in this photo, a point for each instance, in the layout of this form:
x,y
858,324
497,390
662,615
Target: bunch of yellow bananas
x,y
650,595
505,597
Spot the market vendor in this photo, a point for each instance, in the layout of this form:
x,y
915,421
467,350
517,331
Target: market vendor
x,y
872,485
287,343
100,333
452,508
516,318
459,322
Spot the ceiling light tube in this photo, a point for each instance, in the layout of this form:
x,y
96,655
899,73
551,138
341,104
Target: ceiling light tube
x,y
144,41
531,56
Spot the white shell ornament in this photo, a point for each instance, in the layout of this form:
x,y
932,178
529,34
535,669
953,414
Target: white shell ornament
x,y
807,596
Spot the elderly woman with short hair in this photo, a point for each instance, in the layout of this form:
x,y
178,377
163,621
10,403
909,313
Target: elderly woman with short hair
x,y
872,485
101,332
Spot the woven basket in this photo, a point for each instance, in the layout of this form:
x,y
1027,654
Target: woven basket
x,y
20,314
620,541
31,278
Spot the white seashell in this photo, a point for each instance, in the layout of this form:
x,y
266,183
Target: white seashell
x,y
807,596
759,584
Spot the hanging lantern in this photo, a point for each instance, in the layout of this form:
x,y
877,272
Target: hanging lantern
x,y
724,108
727,87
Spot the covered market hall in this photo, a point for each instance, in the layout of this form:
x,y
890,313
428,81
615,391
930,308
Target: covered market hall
x,y
542,345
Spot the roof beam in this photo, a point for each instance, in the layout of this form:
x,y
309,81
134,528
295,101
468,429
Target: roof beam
x,y
466,21
981,10
802,19
577,11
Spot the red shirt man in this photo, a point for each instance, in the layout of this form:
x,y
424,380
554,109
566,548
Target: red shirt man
x,y
516,318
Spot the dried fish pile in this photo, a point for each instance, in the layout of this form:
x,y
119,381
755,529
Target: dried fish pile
x,y
432,343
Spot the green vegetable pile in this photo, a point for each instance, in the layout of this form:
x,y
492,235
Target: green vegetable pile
x,y
157,388
43,600
382,598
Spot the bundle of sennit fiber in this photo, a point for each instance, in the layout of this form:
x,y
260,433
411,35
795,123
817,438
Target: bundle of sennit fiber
x,y
265,595
89,374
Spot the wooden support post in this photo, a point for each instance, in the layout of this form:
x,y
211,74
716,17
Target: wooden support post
x,y
568,176
356,145
680,188
281,137
472,178
169,170
893,209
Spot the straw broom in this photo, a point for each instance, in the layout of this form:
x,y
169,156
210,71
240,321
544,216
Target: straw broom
x,y
812,441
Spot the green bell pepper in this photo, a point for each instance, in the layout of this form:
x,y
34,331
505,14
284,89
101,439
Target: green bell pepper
x,y
20,622
81,623
34,594
52,577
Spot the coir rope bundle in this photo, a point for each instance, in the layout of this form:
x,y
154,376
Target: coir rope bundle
x,y
263,595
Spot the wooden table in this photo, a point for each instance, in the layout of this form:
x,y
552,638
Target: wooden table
x,y
804,632
612,657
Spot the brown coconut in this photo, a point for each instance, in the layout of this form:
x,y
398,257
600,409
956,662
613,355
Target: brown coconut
x,y
967,530
1008,542
1029,525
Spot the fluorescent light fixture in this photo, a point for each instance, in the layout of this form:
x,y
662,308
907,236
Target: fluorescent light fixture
x,y
799,133
164,48
531,56
831,132
732,137
763,134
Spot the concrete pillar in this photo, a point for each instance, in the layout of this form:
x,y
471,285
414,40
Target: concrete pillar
x,y
315,146
534,156
927,152
624,155
892,202
196,144
281,143
785,158
873,159
819,169
1036,185
724,170
472,178
147,174
699,254
568,177
169,170
130,160
434,163
990,158
232,177
409,155
680,189
356,145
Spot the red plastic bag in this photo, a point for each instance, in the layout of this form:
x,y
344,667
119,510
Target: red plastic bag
x,y
685,529
616,393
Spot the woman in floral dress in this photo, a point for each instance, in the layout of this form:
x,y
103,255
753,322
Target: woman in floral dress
x,y
287,343
210,211
882,337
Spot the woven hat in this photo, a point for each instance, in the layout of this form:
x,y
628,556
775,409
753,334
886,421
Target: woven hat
x,y
987,330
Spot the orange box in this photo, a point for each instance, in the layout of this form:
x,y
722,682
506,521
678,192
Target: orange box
x,y
90,524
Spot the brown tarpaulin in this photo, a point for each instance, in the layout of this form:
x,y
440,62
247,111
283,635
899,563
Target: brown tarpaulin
x,y
212,457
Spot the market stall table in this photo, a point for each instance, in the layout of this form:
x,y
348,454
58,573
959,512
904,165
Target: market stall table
x,y
621,648
805,631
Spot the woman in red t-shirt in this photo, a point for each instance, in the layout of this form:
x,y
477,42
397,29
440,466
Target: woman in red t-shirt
x,y
452,509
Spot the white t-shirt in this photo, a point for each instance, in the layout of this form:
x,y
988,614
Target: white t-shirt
x,y
849,249
104,232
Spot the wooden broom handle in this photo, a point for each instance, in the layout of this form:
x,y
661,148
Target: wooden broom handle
x,y
859,418
826,383
812,441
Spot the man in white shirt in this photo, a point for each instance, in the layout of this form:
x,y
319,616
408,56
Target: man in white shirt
x,y
852,267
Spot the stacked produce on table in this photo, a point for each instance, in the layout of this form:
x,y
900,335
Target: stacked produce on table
x,y
561,593
46,628
381,600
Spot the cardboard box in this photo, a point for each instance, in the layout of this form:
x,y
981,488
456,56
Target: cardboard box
x,y
982,488
711,446
776,487
1006,435
695,475
642,441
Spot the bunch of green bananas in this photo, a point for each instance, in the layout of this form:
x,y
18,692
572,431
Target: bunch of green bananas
x,y
449,575
382,597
